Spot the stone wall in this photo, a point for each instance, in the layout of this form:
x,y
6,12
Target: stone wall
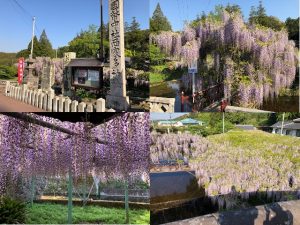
x,y
47,100
163,105
277,213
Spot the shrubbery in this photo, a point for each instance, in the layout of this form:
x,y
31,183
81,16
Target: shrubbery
x,y
12,211
8,72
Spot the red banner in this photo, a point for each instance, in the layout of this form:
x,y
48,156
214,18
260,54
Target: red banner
x,y
20,70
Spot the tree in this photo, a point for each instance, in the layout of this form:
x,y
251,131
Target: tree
x,y
292,26
86,44
258,16
156,56
261,11
126,27
159,21
134,26
61,51
233,8
45,47
7,72
41,48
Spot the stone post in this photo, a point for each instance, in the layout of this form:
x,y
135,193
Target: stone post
x,y
74,106
117,98
34,93
61,104
36,103
68,105
100,105
55,104
23,91
25,99
30,97
90,108
41,99
51,96
20,93
81,107
7,88
45,102
11,94
16,92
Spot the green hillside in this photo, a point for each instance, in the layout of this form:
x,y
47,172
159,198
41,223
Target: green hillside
x,y
7,59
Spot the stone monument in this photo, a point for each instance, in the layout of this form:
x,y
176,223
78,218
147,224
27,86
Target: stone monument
x,y
67,77
30,78
117,98
47,78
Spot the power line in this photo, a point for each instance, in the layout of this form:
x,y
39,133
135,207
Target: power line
x,y
17,9
22,8
27,13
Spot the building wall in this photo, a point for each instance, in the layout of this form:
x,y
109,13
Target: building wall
x,y
285,132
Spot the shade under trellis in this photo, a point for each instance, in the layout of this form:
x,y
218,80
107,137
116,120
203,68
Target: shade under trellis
x,y
30,150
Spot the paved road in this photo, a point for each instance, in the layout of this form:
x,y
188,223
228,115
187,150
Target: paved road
x,y
8,104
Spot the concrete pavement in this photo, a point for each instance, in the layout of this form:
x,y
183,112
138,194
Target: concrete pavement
x,y
8,104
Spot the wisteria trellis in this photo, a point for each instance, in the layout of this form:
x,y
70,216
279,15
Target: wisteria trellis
x,y
28,150
254,62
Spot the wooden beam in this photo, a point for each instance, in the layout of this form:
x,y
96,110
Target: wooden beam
x,y
29,119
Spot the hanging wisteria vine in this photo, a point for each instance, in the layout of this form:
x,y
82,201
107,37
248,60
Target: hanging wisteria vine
x,y
254,62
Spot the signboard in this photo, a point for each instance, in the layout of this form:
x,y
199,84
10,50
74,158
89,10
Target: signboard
x,y
86,78
193,68
20,70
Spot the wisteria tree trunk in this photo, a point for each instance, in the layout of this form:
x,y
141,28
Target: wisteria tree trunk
x,y
70,196
126,202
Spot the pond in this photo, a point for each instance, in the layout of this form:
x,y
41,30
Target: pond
x,y
282,104
176,196
171,89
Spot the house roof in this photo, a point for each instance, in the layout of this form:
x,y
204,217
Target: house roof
x,y
291,125
245,127
297,120
190,121
168,122
85,63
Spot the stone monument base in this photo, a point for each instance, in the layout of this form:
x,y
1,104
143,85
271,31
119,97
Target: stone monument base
x,y
118,103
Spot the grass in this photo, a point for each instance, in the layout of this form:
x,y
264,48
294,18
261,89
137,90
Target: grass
x,y
265,143
249,161
162,73
57,214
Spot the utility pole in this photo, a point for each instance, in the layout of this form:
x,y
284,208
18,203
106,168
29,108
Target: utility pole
x,y
101,52
101,28
282,123
33,26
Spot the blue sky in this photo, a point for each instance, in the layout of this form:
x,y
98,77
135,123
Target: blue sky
x,y
62,19
179,11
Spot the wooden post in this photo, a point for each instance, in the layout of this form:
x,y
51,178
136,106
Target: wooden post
x,y
84,190
126,202
70,193
223,122
32,190
98,191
